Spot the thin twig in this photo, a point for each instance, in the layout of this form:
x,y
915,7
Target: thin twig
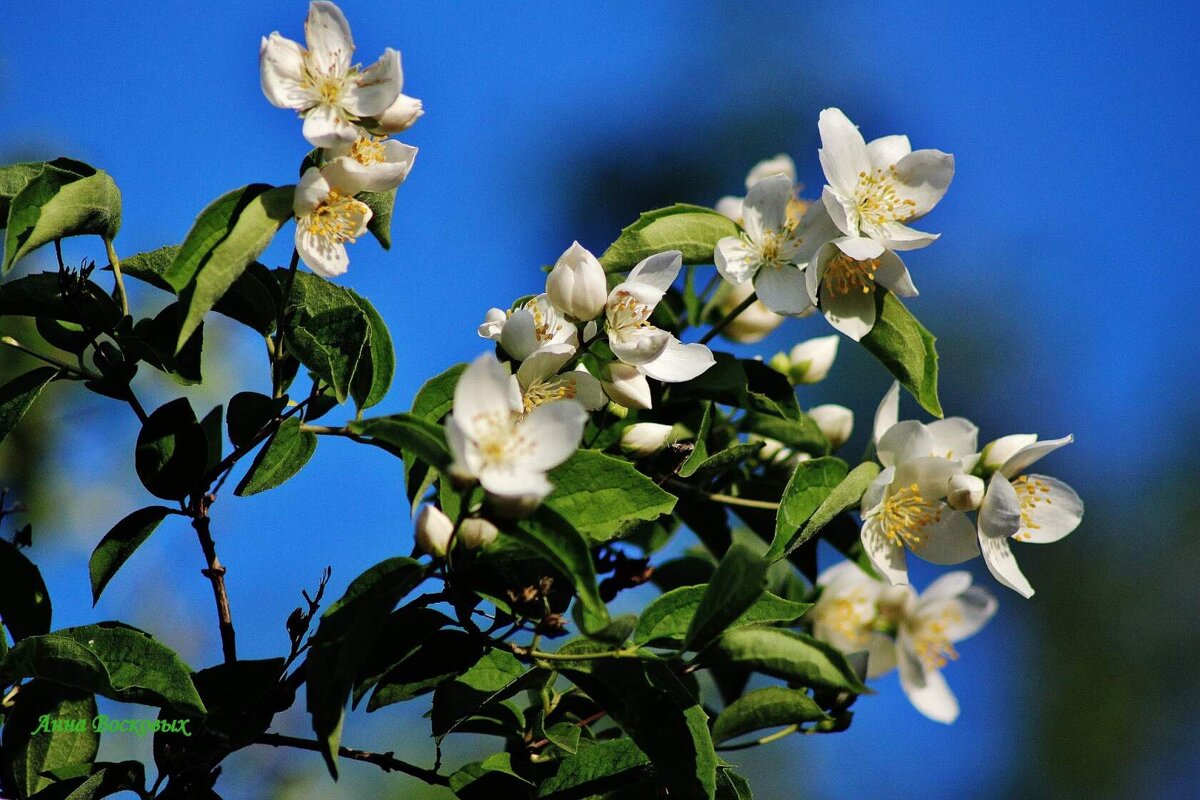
x,y
385,761
728,318
725,499
216,575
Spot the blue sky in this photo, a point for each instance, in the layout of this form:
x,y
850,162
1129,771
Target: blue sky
x,y
1062,286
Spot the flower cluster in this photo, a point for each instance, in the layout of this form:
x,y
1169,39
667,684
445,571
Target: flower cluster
x,y
348,114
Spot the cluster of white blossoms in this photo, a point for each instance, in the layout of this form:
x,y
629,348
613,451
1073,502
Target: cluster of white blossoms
x,y
934,475
831,255
348,113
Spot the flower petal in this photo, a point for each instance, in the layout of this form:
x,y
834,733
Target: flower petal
x,y
903,442
312,190
543,363
1057,512
926,689
924,177
965,614
887,150
628,386
735,261
780,164
950,540
512,483
484,392
881,655
658,270
946,587
327,32
281,72
843,152
1024,458
1003,565
842,211
729,206
816,229
588,389
1000,512
377,88
953,437
639,346
898,236
783,290
324,126
519,336
553,431
320,254
852,313
679,362
893,275
888,413
887,557
765,206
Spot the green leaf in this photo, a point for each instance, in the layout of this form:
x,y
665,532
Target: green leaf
x,y
341,644
285,454
800,433
555,540
660,716
435,398
153,341
332,344
447,653
43,294
406,631
600,495
668,617
249,413
491,778
25,602
491,679
373,378
811,484
744,383
120,543
729,457
399,433
13,178
172,451
739,581
845,495
906,348
380,224
693,230
29,750
785,654
67,198
597,767
109,659
227,236
104,780
17,396
699,452
772,707
731,786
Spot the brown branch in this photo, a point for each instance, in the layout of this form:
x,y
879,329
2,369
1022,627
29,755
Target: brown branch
x,y
385,761
216,575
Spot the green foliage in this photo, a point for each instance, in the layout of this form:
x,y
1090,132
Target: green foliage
x,y
600,495
668,618
739,581
172,451
597,767
120,543
744,383
785,654
491,679
46,294
28,755
845,495
811,484
249,413
552,538
406,631
445,654
401,433
109,659
18,395
285,454
771,707
904,346
64,198
492,777
693,230
25,603
380,224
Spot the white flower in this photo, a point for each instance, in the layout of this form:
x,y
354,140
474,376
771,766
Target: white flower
x,y
540,381
753,324
476,533
492,441
637,343
531,327
873,189
644,439
380,164
954,438
857,613
434,529
843,278
577,285
965,492
1029,508
328,216
836,422
627,386
780,164
772,250
321,83
398,117
904,508
810,360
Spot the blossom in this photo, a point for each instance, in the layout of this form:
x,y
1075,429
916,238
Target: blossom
x,y
577,285
904,508
900,629
772,250
635,342
536,324
780,164
319,82
476,533
809,361
843,277
540,381
433,531
627,386
965,492
954,438
380,164
644,439
754,323
494,442
398,117
328,216
836,422
873,189
1025,507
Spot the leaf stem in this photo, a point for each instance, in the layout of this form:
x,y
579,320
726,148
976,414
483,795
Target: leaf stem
x,y
774,737
385,761
51,360
115,263
529,652
725,499
728,318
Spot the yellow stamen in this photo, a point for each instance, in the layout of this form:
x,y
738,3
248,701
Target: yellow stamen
x,y
336,218
560,388
1032,493
932,644
876,199
844,615
906,514
844,275
368,150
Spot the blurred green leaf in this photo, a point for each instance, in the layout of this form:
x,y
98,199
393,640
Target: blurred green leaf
x,y
799,433
19,394
693,230
24,602
906,348
445,654
285,454
46,294
744,383
493,678
488,779
406,631
120,543
667,618
771,707
554,539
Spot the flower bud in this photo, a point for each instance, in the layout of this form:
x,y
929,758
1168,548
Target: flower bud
x,y
994,454
627,386
753,324
644,439
965,492
433,531
476,533
836,422
781,363
517,506
399,116
577,285
811,360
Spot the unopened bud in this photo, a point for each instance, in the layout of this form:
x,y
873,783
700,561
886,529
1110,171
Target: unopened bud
x,y
836,422
627,386
399,116
433,531
994,454
577,285
644,439
811,360
476,533
965,492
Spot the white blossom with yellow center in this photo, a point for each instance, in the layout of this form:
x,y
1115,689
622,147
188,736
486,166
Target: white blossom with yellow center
x,y
381,164
525,330
542,382
873,189
320,82
494,441
842,280
328,217
1024,507
954,438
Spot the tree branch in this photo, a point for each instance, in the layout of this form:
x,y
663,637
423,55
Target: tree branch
x,y
216,575
385,761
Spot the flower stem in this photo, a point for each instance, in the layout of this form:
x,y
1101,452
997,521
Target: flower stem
x,y
728,318
215,573
115,263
